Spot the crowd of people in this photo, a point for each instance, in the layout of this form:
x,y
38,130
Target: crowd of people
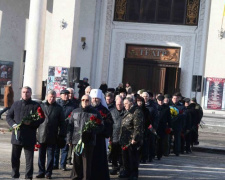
x,y
102,126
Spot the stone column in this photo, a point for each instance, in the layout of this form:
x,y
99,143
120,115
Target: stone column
x,y
35,47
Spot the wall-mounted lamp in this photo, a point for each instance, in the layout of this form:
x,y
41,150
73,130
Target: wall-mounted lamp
x,y
83,39
63,24
221,33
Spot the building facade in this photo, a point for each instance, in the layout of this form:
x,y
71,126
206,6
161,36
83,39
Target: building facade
x,y
162,45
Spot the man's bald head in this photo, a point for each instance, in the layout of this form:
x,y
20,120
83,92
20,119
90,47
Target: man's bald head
x,y
119,103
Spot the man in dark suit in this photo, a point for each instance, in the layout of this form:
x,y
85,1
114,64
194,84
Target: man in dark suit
x,y
23,137
51,130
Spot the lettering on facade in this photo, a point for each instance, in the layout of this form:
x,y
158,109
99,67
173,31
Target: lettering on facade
x,y
153,53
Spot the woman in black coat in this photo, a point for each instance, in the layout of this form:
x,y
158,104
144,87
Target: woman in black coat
x,y
147,122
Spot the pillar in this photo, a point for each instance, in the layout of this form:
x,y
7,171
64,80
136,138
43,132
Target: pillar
x,y
35,47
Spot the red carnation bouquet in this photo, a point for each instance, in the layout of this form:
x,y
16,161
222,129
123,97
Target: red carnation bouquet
x,y
89,126
39,114
92,124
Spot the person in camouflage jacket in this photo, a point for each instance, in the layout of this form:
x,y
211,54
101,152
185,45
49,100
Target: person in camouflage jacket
x,y
131,135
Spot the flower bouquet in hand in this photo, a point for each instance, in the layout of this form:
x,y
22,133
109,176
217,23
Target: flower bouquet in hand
x,y
87,133
174,111
33,116
36,147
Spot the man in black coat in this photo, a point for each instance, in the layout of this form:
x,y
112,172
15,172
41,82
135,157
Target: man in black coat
x,y
49,132
26,134
177,123
199,115
116,151
189,128
82,163
164,118
67,107
151,106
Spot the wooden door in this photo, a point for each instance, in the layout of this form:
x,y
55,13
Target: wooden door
x,y
142,76
172,80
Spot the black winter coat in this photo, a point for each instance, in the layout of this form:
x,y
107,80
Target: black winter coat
x,y
26,134
151,106
68,107
54,124
117,117
164,119
76,124
178,123
192,116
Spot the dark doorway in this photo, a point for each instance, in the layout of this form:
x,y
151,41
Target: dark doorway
x,y
152,75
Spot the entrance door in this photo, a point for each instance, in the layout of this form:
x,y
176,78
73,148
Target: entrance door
x,y
152,77
149,77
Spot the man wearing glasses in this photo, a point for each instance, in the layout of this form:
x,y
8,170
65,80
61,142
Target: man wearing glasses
x,y
82,162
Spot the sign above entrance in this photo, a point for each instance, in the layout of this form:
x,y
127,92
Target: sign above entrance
x,y
160,53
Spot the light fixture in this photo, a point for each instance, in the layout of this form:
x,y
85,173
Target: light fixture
x,y
221,33
83,39
63,24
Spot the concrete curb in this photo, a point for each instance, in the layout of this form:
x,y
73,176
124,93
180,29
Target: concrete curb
x,y
209,150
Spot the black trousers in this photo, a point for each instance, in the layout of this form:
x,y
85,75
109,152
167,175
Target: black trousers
x,y
177,142
48,149
152,144
82,164
116,155
15,160
131,160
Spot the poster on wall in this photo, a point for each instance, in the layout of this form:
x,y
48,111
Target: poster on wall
x,y
57,79
215,93
6,70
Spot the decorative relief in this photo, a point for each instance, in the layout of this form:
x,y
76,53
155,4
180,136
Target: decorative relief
x,y
192,12
120,10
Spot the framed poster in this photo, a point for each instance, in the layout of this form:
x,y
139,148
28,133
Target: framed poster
x,y
57,79
215,93
6,70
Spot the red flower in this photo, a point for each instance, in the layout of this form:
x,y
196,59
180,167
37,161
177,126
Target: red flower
x,y
168,130
124,148
69,115
98,121
102,114
150,126
180,111
36,147
40,112
92,118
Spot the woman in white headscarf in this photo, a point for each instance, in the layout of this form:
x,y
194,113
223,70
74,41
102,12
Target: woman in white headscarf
x,y
100,168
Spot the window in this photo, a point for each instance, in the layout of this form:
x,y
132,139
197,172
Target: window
x,y
155,11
